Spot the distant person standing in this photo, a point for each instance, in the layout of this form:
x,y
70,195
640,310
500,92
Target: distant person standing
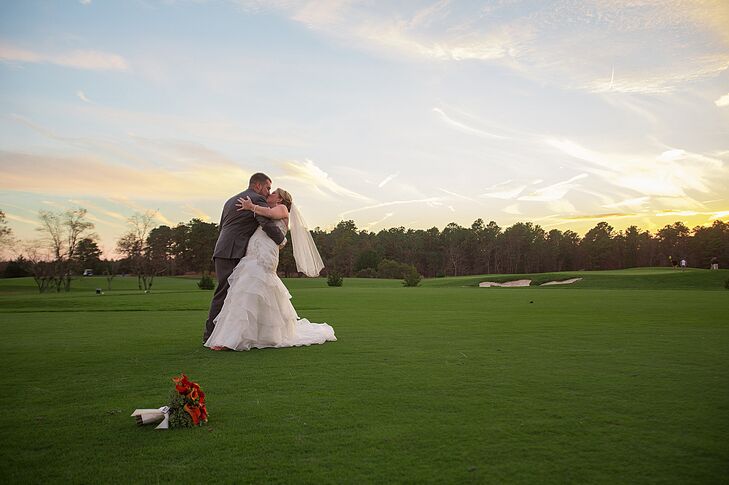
x,y
683,263
674,262
714,263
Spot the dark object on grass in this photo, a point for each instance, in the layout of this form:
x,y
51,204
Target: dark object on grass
x,y
98,291
335,279
726,284
206,283
532,301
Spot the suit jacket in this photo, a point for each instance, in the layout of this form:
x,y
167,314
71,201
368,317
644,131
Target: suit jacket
x,y
237,227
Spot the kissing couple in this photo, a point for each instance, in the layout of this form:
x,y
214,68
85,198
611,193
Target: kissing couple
x,y
251,306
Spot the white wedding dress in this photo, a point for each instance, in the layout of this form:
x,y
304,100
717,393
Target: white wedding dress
x,y
257,312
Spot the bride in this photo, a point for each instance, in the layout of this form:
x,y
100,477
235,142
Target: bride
x,y
257,312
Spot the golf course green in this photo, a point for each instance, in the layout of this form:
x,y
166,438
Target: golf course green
x,y
622,377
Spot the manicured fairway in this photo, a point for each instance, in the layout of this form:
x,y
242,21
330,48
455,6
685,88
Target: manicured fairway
x,y
442,383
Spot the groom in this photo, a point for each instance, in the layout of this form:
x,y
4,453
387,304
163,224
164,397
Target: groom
x,y
236,228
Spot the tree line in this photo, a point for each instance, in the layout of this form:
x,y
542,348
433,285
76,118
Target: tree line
x,y
68,247
520,248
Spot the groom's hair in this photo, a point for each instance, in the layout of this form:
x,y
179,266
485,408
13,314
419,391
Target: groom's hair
x,y
258,178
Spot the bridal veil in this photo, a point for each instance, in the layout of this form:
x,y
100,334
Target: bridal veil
x,y
308,260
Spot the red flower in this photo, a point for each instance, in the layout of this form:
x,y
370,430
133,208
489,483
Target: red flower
x,y
194,399
194,413
182,384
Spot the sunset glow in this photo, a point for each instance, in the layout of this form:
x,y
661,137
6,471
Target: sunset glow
x,y
410,114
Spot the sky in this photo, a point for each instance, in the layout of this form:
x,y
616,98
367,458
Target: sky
x,y
389,113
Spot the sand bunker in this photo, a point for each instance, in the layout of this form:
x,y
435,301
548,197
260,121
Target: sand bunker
x,y
563,282
487,284
510,284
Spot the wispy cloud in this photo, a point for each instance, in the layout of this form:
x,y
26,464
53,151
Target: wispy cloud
x,y
176,152
713,215
82,97
588,46
90,59
404,31
197,213
554,191
14,217
609,215
556,220
99,221
78,59
93,176
504,190
631,203
466,128
719,215
182,158
722,101
173,152
96,208
667,81
320,12
125,201
513,209
42,130
317,180
137,207
645,217
676,213
199,127
430,201
671,173
164,220
459,196
428,15
380,221
388,179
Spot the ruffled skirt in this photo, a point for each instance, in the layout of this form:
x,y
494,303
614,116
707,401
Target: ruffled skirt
x,y
257,312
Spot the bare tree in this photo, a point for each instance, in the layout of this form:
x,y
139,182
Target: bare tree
x,y
39,263
62,231
134,245
111,268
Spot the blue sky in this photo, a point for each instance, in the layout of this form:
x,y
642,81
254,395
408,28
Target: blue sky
x,y
415,113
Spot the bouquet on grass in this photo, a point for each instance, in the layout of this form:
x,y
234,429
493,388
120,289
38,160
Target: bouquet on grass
x,y
185,410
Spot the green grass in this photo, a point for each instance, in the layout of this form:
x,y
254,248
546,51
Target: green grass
x,y
591,383
634,279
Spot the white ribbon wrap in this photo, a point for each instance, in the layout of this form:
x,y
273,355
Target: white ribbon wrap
x,y
151,416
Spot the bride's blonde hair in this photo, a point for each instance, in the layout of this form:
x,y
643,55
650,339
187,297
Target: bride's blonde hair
x,y
286,198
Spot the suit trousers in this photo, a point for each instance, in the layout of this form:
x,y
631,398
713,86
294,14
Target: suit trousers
x,y
223,268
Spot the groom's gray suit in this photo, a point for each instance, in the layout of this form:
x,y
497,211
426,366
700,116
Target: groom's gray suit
x,y
236,228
